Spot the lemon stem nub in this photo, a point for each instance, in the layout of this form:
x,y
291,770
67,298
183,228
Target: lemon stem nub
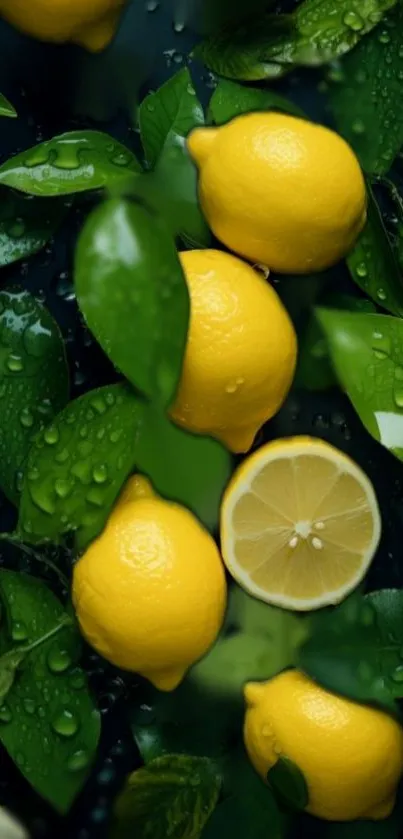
x,y
200,143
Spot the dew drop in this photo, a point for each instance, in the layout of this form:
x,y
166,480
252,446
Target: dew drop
x,y
26,418
100,474
78,760
77,679
5,714
397,674
384,37
58,659
15,363
19,631
62,456
381,294
65,723
353,21
51,435
63,487
29,706
293,542
398,397
317,543
361,270
115,436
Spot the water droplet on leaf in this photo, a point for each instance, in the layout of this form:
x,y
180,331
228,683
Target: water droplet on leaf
x,y
65,723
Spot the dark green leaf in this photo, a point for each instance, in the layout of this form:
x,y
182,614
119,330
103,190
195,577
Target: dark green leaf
x,y
172,795
33,380
250,811
367,356
184,467
49,724
189,720
77,161
6,108
230,99
314,369
133,294
26,224
77,466
317,32
364,98
388,608
287,781
166,118
373,265
344,650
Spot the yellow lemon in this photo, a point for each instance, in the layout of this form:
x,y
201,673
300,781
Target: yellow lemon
x,y
300,524
280,191
241,350
90,23
350,754
150,592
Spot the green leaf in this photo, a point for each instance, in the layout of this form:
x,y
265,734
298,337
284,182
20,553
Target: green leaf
x,y
367,355
173,108
133,294
288,783
49,724
230,99
26,224
166,117
190,469
6,108
250,810
373,265
264,644
267,47
77,161
314,369
175,793
388,607
33,380
364,98
344,651
77,466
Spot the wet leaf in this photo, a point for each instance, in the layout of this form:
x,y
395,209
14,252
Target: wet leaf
x,y
267,47
77,466
184,467
373,265
314,369
6,108
388,608
26,224
364,98
77,161
367,356
250,810
175,790
230,99
166,117
132,292
288,783
33,380
48,724
344,651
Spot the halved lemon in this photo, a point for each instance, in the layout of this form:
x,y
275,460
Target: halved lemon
x,y
300,524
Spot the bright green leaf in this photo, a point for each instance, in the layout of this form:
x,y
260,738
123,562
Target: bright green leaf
x,y
365,95
367,356
33,380
6,108
344,651
54,734
373,265
77,466
133,294
174,793
166,117
26,224
230,99
314,368
267,47
77,161
184,467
